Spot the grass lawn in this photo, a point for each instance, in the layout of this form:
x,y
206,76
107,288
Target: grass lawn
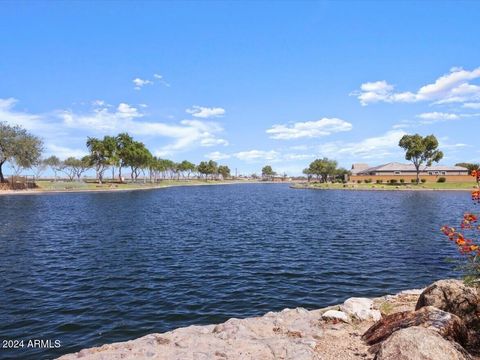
x,y
45,185
371,186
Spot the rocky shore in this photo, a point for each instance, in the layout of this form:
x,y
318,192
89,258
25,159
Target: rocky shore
x,y
441,322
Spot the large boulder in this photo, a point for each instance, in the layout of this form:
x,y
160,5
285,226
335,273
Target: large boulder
x,y
449,326
454,297
361,308
419,343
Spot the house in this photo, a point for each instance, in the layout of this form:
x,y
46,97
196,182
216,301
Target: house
x,y
407,172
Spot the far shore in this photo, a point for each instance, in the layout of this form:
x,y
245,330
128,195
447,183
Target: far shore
x,y
460,186
48,187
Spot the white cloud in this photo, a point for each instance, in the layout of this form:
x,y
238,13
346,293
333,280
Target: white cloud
x,y
453,87
217,155
438,116
255,155
309,129
472,105
205,112
63,152
211,141
64,125
370,148
139,83
159,78
290,157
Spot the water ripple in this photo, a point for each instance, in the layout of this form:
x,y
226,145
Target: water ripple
x,y
89,269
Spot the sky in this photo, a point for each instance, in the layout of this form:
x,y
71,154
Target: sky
x,y
245,83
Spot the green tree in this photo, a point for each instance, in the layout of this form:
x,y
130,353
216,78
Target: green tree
x,y
213,166
420,150
323,168
308,173
187,167
74,168
137,157
19,146
268,173
208,168
224,171
99,157
54,164
123,143
111,151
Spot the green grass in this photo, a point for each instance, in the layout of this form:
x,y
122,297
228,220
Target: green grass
x,y
44,185
384,186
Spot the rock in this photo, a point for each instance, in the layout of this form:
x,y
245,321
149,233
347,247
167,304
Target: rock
x,y
361,308
454,297
336,315
448,325
418,343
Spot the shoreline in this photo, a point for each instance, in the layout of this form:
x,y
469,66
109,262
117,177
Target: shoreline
x,y
353,188
300,333
113,190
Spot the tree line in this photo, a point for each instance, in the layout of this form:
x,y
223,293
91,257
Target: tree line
x,y
23,150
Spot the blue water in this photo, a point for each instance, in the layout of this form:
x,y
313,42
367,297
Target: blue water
x,y
95,268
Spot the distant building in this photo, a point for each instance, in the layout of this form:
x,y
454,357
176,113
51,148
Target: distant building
x,y
408,172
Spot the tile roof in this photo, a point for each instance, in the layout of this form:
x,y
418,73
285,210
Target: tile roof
x,y
395,166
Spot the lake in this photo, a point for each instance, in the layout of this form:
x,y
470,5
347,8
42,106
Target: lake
x,y
95,268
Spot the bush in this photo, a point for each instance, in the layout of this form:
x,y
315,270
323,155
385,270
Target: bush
x,y
368,181
402,181
393,181
423,181
359,181
379,181
413,181
441,179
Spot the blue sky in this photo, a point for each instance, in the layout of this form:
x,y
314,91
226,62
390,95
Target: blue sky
x,y
245,83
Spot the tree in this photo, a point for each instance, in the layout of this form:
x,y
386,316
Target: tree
x,y
40,168
111,153
186,166
74,167
208,168
123,142
341,173
99,156
224,171
323,169
53,163
137,157
420,150
469,166
268,173
308,173
17,145
213,166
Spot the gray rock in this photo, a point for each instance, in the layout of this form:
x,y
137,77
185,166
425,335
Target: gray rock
x,y
361,308
454,297
418,343
336,315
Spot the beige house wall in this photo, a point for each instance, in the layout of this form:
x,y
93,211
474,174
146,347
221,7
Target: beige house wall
x,y
408,178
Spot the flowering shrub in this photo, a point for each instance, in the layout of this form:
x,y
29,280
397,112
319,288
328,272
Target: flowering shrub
x,y
467,239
